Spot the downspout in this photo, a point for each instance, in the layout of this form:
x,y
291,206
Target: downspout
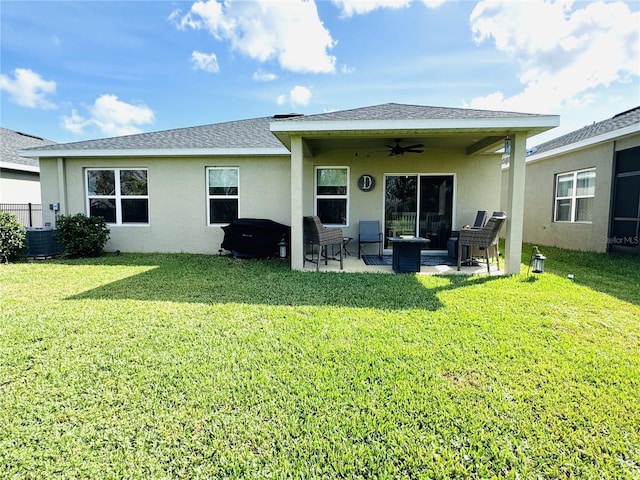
x,y
62,186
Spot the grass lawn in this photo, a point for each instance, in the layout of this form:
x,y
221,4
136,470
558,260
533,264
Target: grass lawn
x,y
188,366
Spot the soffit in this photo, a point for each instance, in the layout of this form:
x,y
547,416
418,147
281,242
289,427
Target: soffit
x,y
474,135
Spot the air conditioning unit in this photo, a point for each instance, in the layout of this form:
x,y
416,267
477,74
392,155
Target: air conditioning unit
x,y
42,243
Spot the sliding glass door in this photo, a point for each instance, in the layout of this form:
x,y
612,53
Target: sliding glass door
x,y
419,205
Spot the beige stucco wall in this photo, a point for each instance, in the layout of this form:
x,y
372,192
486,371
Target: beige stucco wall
x,y
49,188
178,203
177,199
476,181
539,227
19,187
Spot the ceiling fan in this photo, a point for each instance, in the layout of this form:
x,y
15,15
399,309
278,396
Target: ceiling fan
x,y
398,149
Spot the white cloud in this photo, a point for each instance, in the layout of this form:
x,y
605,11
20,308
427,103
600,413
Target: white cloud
x,y
349,8
298,96
111,116
205,61
75,123
262,76
347,70
267,31
562,52
28,89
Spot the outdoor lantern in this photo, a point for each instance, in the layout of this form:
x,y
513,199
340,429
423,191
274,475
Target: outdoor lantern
x,y
507,145
282,248
537,261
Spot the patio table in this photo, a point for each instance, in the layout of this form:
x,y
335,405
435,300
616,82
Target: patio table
x,y
406,253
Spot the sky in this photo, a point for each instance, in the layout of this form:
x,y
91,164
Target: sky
x,y
78,70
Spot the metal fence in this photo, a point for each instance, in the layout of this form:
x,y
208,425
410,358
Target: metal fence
x,y
29,214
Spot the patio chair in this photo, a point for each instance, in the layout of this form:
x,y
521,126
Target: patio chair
x,y
369,232
403,223
317,234
485,237
452,243
481,218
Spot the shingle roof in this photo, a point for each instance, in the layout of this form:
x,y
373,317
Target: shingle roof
x,y
11,142
616,122
252,133
397,111
256,133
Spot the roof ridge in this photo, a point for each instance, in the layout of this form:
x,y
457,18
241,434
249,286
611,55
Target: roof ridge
x,y
616,122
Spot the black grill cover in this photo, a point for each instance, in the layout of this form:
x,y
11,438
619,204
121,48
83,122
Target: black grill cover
x,y
254,237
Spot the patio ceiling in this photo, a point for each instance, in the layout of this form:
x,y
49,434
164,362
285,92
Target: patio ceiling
x,y
471,143
474,136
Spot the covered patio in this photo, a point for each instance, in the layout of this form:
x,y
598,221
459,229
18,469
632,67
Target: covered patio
x,y
353,264
463,146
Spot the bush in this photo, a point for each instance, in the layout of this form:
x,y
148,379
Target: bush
x,y
12,237
82,236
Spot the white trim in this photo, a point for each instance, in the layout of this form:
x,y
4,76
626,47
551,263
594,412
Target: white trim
x,y
347,196
155,152
454,195
527,123
117,196
19,167
587,142
209,197
574,197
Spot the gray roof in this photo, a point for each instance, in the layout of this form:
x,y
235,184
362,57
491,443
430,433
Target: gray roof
x,y
11,142
616,122
256,133
397,111
252,133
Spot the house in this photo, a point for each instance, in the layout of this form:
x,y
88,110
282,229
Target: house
x,y
583,188
19,175
172,191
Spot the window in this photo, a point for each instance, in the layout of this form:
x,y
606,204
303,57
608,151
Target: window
x,y
575,196
332,195
119,195
222,191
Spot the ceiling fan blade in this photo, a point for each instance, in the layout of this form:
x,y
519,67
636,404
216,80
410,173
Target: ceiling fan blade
x,y
412,150
417,145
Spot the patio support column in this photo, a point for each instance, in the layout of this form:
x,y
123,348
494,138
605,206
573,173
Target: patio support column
x,y
297,177
515,203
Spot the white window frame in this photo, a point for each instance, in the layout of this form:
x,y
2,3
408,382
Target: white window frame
x,y
572,197
117,197
225,197
345,196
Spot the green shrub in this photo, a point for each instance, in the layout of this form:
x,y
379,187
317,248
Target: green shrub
x,y
12,237
82,236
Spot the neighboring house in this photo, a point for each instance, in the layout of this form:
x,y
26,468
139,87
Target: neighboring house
x,y
172,191
20,177
583,188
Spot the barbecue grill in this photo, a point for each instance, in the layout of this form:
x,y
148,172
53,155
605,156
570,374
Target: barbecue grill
x,y
254,237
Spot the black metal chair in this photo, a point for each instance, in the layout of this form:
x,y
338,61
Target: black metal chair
x,y
317,234
485,238
369,232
